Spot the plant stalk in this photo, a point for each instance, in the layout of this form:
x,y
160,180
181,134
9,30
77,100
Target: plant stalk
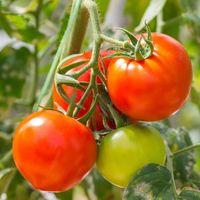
x,y
77,33
184,150
50,77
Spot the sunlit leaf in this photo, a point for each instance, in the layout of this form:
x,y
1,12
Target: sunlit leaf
x,y
150,183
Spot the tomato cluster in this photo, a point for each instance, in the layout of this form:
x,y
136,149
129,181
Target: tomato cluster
x,y
55,152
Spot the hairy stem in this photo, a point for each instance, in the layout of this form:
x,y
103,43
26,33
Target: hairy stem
x,y
93,13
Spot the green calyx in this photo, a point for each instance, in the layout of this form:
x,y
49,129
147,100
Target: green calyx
x,y
136,48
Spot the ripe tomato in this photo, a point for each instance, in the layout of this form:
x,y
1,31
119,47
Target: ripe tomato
x,y
126,150
154,88
79,93
52,151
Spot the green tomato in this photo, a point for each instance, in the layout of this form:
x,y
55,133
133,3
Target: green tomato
x,y
126,150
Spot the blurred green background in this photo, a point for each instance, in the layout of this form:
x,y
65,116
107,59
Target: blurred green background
x,y
30,32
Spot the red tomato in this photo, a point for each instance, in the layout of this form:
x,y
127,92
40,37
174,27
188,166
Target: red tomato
x,y
52,151
83,78
154,88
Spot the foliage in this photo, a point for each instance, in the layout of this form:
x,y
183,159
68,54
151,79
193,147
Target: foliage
x,y
35,29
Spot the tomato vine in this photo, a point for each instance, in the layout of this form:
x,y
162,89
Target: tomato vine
x,y
104,102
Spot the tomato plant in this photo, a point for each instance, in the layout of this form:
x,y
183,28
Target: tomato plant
x,y
98,115
126,150
154,88
52,151
148,79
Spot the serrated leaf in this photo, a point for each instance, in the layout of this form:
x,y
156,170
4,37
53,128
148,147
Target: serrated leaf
x,y
150,183
6,176
182,164
152,11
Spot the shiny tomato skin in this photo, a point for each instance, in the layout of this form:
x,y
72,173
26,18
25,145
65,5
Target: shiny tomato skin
x,y
154,88
52,151
126,150
83,78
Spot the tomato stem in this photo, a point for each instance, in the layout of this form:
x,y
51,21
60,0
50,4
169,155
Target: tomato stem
x,y
186,149
170,166
112,41
93,66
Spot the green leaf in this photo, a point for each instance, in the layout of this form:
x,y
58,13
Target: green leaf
x,y
6,176
190,195
50,6
133,39
153,9
17,21
20,26
153,182
182,164
29,34
14,64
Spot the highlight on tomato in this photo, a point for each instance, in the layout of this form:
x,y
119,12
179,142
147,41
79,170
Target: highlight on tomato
x,y
153,88
126,150
53,152
98,115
